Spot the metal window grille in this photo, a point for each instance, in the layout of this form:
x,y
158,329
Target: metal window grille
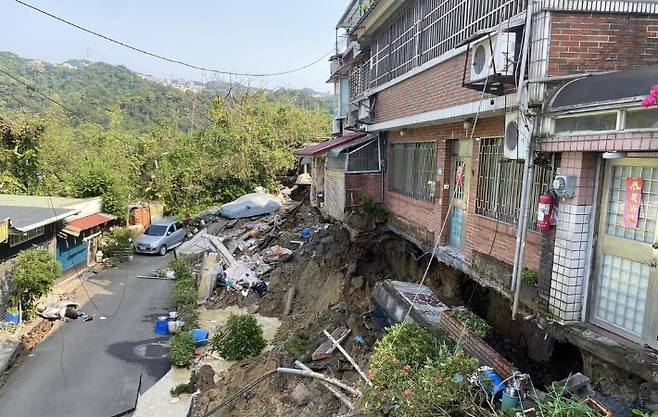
x,y
413,169
500,182
427,29
364,158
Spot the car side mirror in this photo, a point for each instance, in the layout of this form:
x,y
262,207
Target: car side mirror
x,y
169,233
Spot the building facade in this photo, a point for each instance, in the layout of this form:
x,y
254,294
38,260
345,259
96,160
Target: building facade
x,y
470,98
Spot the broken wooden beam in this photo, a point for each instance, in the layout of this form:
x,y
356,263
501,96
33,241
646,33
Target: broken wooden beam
x,y
325,350
349,358
311,374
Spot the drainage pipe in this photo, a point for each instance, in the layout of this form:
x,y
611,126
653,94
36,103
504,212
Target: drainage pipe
x,y
590,240
522,108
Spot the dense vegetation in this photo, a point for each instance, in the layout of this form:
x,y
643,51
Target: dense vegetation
x,y
125,150
94,90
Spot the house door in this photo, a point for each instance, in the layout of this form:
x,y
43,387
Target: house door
x,y
460,174
626,277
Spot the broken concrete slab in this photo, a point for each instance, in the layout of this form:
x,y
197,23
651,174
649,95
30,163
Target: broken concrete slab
x,y
325,350
9,348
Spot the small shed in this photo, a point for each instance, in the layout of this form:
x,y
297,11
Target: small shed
x,y
345,171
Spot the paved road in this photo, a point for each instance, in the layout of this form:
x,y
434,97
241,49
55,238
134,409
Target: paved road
x,y
92,369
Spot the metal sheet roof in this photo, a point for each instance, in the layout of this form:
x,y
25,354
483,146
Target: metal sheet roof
x,y
28,218
325,147
74,227
605,89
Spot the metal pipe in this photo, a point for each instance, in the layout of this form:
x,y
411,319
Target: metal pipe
x,y
526,48
311,374
528,179
519,102
565,77
590,240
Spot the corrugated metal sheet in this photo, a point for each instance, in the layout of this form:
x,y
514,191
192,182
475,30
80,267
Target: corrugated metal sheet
x,y
71,252
76,226
334,194
4,230
140,215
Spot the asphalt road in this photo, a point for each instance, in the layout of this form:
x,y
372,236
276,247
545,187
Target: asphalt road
x,y
93,369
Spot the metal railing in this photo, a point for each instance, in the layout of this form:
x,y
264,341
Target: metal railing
x,y
427,29
500,181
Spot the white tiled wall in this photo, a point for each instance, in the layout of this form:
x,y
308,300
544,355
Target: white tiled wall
x,y
569,262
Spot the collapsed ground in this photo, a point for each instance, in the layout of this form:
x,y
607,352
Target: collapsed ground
x,y
333,273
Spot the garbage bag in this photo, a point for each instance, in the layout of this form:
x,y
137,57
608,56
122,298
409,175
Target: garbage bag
x,y
250,205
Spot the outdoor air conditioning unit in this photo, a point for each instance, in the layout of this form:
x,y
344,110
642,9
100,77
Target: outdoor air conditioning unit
x,y
364,110
484,65
337,127
517,136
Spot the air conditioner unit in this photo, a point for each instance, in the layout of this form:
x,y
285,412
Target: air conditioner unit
x,y
337,127
517,136
483,65
365,110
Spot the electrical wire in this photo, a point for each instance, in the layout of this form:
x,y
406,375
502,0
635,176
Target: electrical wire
x,y
32,88
171,60
9,95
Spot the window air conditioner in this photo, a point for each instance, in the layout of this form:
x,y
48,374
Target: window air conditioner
x,y
517,136
504,56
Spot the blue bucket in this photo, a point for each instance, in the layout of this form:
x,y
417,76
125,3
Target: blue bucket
x,y
13,318
161,326
200,336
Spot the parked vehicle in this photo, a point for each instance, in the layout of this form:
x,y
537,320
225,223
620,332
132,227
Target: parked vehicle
x,y
161,236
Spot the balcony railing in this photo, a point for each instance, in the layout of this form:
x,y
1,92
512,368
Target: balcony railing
x,y
355,13
427,29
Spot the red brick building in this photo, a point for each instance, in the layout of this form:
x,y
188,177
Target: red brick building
x,y
442,82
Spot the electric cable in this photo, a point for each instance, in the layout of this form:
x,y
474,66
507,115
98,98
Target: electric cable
x,y
11,96
171,60
32,88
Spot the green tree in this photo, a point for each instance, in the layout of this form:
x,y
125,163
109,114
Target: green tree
x,y
34,274
95,180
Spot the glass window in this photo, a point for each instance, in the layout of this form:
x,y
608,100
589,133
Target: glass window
x,y
413,169
364,157
587,123
15,240
337,162
156,230
642,119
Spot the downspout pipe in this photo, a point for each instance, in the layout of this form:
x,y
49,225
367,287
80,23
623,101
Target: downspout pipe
x,y
590,239
522,107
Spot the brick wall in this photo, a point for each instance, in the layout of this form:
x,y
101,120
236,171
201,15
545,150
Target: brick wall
x,y
436,88
582,42
359,187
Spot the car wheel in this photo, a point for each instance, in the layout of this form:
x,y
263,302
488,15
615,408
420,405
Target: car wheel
x,y
163,250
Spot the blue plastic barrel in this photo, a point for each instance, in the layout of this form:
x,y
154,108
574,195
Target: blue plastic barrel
x,y
200,336
161,326
491,382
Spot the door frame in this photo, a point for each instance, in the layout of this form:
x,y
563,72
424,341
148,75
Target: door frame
x,y
627,249
460,149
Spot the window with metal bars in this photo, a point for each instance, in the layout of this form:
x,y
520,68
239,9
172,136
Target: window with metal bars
x,y
500,182
412,169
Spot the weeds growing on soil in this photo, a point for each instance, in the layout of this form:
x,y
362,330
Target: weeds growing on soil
x,y
472,322
294,345
184,292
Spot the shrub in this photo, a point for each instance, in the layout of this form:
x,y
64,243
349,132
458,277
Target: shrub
x,y
182,268
472,322
557,404
189,315
34,274
117,241
418,374
184,292
95,180
180,389
371,207
241,337
529,277
182,349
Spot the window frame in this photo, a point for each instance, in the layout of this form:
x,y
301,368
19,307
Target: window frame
x,y
620,126
363,145
431,196
38,231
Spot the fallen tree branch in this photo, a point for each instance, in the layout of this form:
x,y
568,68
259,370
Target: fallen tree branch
x,y
329,387
311,374
349,358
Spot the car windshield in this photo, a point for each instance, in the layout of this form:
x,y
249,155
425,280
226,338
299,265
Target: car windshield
x,y
156,230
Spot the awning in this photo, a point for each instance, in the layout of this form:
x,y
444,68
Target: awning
x,y
75,227
614,88
325,147
353,144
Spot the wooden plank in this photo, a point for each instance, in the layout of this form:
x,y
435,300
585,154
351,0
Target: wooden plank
x,y
325,350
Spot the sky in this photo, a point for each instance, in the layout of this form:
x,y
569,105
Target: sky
x,y
256,36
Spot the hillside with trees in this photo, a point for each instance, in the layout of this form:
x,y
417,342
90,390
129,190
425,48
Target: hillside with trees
x,y
94,90
132,140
